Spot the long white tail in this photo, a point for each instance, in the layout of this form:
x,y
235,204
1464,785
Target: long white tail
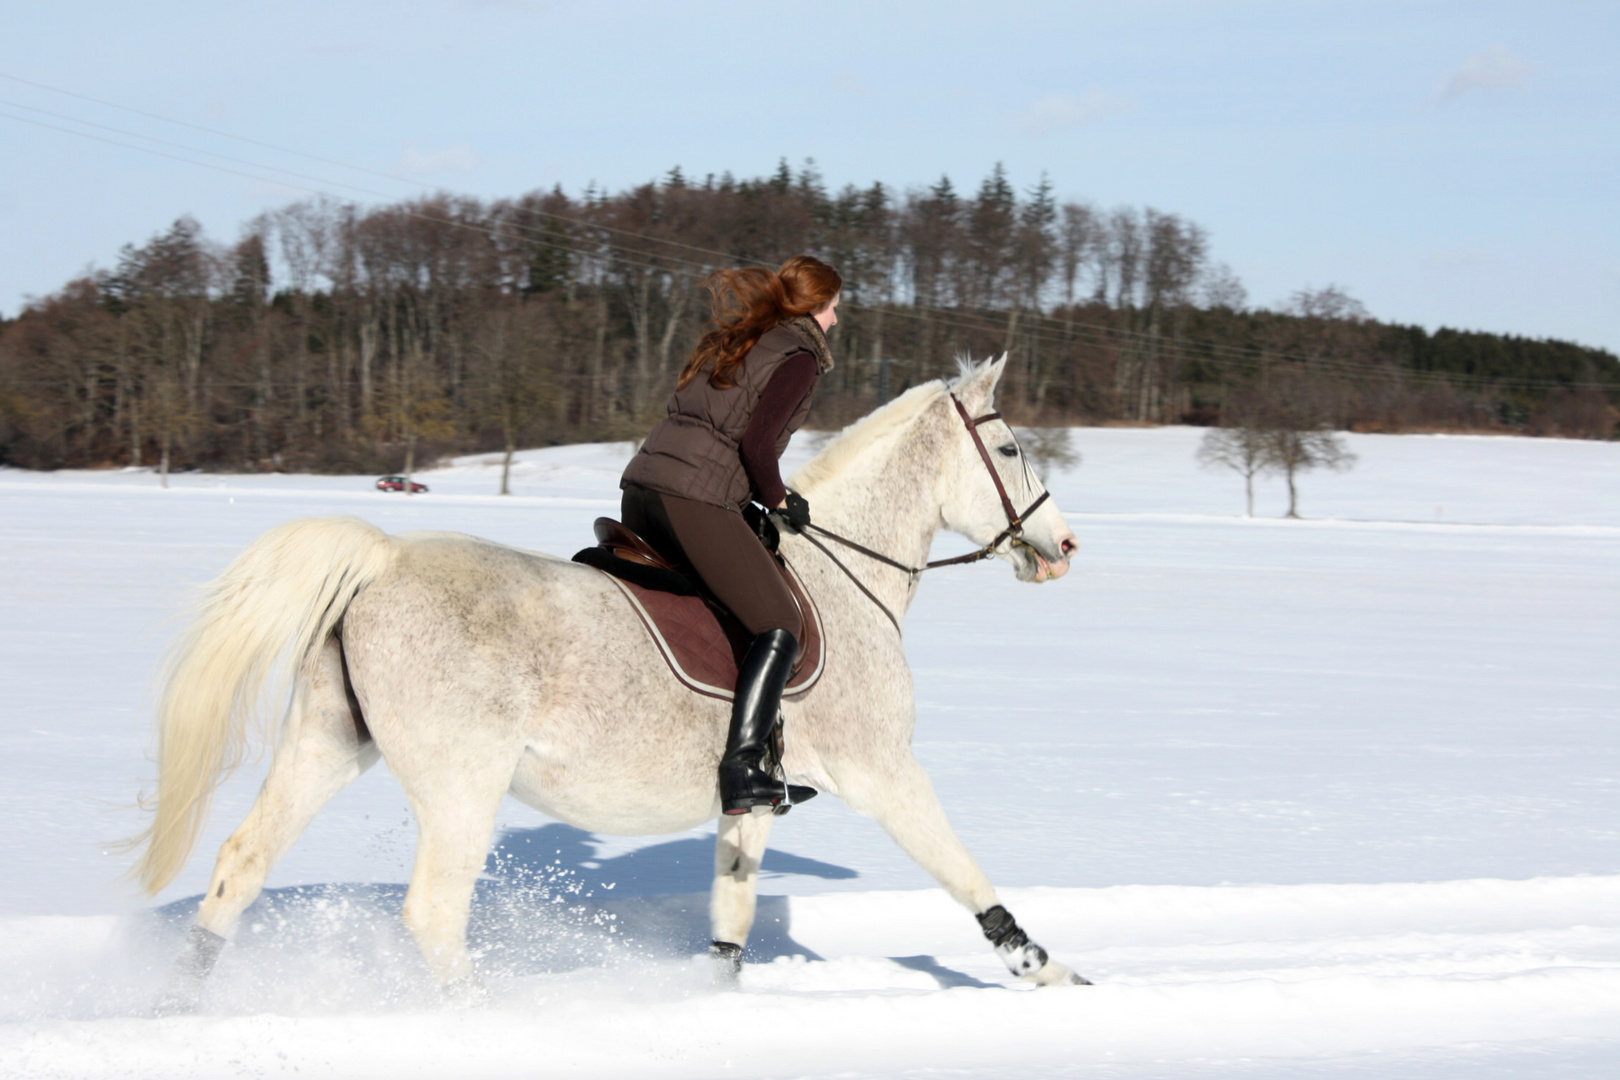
x,y
229,675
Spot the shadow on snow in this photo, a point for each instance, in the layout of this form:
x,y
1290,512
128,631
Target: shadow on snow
x,y
549,917
547,904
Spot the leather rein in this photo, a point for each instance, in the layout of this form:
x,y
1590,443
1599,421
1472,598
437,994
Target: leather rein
x,y
1014,531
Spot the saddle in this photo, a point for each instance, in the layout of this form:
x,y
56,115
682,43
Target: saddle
x,y
700,640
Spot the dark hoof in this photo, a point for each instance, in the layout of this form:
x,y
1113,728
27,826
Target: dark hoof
x,y
191,969
726,962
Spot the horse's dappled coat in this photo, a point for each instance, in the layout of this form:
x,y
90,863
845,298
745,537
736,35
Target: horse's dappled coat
x,y
478,669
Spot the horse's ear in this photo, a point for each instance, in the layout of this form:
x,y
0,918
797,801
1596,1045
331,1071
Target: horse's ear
x,y
977,387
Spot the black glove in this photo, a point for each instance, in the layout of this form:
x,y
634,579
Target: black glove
x,y
796,514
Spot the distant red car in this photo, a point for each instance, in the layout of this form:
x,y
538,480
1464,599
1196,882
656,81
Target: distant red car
x,y
397,483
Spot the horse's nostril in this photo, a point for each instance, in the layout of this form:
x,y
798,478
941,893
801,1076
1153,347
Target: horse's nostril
x,y
1068,547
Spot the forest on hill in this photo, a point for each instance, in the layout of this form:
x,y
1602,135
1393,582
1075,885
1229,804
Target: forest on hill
x,y
336,337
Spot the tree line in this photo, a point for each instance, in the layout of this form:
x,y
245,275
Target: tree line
x,y
337,337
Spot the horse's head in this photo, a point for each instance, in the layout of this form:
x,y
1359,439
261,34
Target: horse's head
x,y
970,500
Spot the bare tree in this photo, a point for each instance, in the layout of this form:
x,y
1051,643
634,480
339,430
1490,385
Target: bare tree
x,y
1222,288
1290,413
164,294
1296,450
1329,302
513,387
1242,449
1279,426
1079,237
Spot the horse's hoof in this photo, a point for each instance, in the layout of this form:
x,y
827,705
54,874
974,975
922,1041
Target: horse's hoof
x,y
183,992
1053,973
725,960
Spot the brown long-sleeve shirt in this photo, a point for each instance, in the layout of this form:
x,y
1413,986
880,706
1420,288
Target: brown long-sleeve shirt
x,y
787,389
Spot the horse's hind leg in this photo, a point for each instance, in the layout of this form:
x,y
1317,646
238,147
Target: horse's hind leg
x,y
456,820
738,850
902,800
323,748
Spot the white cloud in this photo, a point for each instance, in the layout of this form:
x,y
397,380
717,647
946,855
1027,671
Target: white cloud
x,y
456,158
1493,69
1056,111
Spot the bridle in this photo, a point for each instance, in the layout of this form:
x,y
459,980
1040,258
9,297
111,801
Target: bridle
x,y
1013,533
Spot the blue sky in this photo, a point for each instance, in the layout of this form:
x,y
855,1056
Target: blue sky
x,y
1447,163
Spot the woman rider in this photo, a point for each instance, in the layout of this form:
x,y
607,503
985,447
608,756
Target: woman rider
x,y
743,393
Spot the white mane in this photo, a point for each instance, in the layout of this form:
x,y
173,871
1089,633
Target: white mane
x,y
875,427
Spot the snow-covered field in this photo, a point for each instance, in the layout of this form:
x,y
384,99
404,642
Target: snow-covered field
x,y
1336,797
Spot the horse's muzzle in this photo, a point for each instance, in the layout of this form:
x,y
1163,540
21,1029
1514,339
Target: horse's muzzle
x,y
1035,566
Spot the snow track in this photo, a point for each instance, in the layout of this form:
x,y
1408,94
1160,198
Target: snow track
x,y
1394,725
882,983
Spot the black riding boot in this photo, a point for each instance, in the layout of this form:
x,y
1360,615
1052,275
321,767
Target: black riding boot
x,y
744,783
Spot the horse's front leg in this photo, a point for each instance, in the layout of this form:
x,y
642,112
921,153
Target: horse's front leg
x,y
901,798
738,849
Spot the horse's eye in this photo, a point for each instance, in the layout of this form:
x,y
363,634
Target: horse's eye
x,y
1010,450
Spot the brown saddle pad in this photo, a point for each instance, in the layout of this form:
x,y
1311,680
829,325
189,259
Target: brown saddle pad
x,y
702,646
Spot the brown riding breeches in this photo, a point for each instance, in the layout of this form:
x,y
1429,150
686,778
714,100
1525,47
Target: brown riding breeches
x,y
717,546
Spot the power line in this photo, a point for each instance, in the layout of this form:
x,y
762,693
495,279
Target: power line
x,y
207,130
445,221
1177,348
315,157
493,233
178,146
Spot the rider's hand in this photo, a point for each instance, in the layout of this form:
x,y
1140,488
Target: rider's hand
x,y
795,511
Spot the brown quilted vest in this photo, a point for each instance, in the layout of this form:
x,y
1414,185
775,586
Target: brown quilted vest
x,y
693,451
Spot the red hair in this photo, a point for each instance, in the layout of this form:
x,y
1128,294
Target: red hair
x,y
748,302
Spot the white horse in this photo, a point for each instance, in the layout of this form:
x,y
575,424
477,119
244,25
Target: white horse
x,y
478,669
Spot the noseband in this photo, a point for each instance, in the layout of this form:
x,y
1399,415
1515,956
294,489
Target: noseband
x,y
1014,532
